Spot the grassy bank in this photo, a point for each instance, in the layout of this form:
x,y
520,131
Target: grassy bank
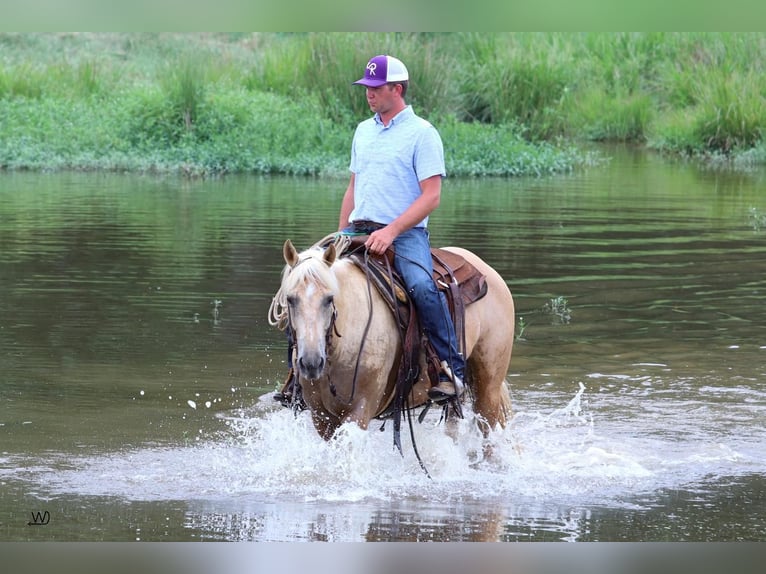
x,y
284,103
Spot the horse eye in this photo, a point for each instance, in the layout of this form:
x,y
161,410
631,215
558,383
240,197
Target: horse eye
x,y
291,300
329,300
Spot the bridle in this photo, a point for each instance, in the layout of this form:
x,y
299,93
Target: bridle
x,y
332,328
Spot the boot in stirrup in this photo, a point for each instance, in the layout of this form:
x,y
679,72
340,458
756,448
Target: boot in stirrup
x,y
285,396
449,387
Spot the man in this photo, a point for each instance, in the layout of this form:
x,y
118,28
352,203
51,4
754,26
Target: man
x,y
397,166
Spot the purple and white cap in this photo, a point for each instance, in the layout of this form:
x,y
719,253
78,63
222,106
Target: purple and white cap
x,y
382,70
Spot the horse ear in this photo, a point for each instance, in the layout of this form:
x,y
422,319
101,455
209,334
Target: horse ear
x,y
289,253
330,254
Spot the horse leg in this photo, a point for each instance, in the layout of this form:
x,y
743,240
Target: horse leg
x,y
324,423
361,413
492,401
327,424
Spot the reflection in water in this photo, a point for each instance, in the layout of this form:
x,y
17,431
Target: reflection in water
x,y
136,347
566,473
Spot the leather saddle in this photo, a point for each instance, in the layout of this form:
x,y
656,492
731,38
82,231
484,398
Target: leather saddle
x,y
452,273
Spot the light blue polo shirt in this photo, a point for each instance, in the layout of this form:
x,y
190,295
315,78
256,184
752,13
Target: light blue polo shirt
x,y
389,162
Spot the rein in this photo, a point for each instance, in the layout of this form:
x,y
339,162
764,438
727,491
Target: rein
x,y
366,327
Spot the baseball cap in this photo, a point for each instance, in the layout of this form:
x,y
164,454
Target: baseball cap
x,y
382,70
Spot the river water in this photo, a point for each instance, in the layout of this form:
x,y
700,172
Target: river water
x,y
137,364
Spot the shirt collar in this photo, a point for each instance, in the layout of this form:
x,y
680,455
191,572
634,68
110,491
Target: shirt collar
x,y
400,117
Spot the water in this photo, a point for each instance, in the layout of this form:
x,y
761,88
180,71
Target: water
x,y
138,362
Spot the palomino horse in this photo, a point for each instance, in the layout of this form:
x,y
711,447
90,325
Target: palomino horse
x,y
347,344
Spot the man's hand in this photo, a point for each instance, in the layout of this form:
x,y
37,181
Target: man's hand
x,y
380,240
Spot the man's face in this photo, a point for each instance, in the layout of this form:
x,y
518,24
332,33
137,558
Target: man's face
x,y
383,98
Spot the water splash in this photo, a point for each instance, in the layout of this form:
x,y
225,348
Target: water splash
x,y
269,453
268,476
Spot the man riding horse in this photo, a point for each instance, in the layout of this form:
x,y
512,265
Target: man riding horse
x,y
397,166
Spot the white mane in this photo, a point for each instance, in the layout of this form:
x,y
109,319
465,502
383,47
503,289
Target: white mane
x,y
309,270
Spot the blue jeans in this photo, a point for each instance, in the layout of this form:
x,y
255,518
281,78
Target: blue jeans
x,y
412,261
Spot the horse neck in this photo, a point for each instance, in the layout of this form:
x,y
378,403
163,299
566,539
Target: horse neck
x,y
368,342
352,301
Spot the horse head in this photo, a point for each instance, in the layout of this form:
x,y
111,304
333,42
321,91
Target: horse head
x,y
309,287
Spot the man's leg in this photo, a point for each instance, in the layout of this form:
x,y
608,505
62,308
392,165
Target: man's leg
x,y
413,262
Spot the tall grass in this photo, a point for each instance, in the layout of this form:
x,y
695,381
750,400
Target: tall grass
x,y
503,100
523,79
28,80
326,65
724,112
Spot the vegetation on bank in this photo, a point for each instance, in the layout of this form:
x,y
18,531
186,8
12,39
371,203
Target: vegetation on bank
x,y
505,104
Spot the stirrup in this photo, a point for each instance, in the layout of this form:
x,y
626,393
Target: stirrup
x,y
447,390
287,386
289,396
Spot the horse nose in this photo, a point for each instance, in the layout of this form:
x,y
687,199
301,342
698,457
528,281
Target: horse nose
x,y
311,366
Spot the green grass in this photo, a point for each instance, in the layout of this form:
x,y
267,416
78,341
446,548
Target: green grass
x,y
725,113
285,103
